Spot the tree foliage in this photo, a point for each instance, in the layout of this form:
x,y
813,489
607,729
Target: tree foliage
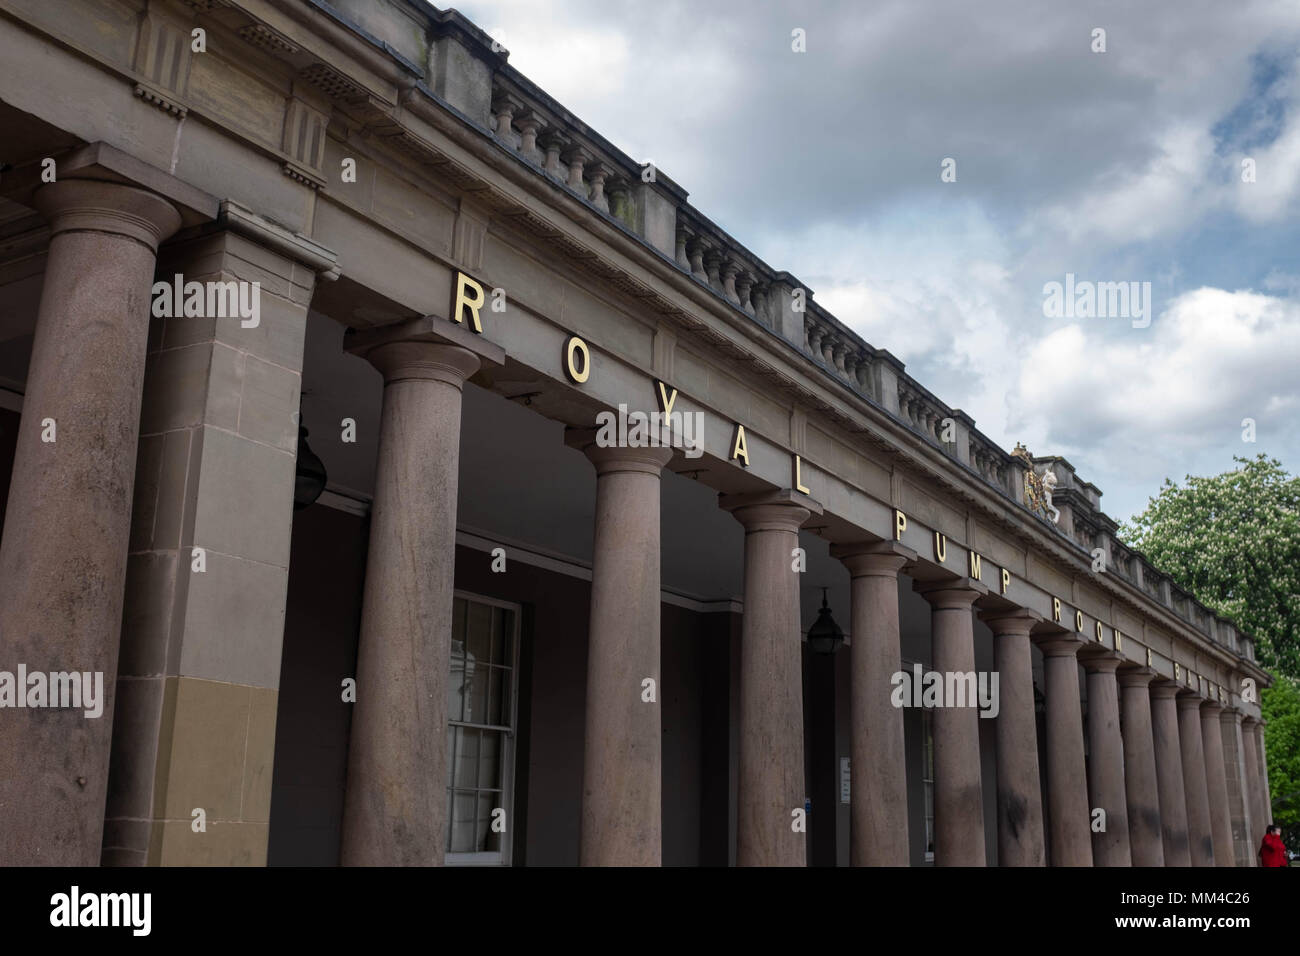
x,y
1234,542
1281,706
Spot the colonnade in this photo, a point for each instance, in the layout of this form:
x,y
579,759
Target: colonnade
x,y
1166,784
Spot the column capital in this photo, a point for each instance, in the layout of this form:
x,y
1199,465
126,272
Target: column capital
x,y
1231,714
873,558
426,348
947,595
648,460
1190,700
1162,688
423,361
88,205
1018,621
1134,675
1211,708
784,510
1248,719
1102,662
1058,644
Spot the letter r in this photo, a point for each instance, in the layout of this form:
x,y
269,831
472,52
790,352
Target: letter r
x,y
473,303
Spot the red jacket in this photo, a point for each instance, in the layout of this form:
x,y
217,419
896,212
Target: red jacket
x,y
1271,851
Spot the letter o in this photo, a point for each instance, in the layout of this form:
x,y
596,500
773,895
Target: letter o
x,y
571,347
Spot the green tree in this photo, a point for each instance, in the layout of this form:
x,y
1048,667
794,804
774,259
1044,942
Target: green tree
x,y
1233,541
1281,706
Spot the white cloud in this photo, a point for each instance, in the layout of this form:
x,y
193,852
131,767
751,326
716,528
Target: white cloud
x,y
1165,193
1163,400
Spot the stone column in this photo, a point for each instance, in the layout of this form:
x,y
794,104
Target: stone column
x,y
1250,755
622,771
396,802
63,558
1020,804
1234,756
1106,762
1146,844
1169,773
1217,784
771,773
1067,784
958,793
878,798
1200,838
1261,754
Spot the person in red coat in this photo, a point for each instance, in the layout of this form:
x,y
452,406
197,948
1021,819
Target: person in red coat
x,y
1272,852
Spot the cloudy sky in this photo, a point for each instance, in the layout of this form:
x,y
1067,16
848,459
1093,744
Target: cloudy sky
x,y
1123,165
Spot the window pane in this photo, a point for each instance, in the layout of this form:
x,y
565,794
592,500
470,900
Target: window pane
x,y
489,760
457,689
495,713
488,841
458,628
467,761
927,732
462,823
479,625
476,710
449,826
451,758
501,619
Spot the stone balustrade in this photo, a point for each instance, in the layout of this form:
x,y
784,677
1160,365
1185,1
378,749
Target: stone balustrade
x,y
989,461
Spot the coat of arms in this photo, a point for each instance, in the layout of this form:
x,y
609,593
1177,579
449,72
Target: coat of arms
x,y
1038,488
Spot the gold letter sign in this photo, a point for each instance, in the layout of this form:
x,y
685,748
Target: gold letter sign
x,y
469,295
572,349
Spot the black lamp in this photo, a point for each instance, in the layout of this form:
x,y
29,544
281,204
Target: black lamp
x,y
825,636
309,476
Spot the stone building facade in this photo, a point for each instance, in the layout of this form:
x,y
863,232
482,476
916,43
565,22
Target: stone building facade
x,y
493,638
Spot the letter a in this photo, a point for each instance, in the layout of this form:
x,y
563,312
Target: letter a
x,y
901,693
739,450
